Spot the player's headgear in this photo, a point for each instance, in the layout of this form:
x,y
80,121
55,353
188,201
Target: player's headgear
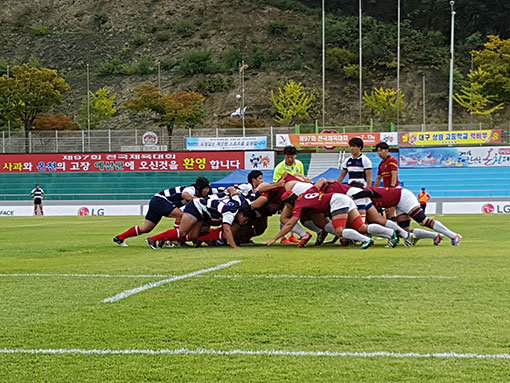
x,y
200,184
289,197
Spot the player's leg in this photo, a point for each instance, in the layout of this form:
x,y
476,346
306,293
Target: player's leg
x,y
419,216
41,208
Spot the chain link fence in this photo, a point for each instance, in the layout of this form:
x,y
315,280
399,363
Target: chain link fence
x,y
131,140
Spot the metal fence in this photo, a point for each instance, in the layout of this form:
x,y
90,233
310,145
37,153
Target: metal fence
x,y
130,140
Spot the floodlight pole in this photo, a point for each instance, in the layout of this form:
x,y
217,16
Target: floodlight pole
x,y
88,107
324,63
360,64
450,94
398,64
241,76
9,120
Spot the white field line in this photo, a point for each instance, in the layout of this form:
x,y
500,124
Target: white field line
x,y
266,276
127,293
202,351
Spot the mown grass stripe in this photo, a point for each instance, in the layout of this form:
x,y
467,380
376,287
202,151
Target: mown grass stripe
x,y
127,293
203,351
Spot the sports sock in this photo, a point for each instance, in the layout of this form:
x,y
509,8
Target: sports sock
x,y
439,227
380,231
394,226
312,226
420,233
330,228
213,235
354,235
42,212
177,224
132,232
298,230
169,235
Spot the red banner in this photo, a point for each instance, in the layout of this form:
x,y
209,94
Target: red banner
x,y
121,162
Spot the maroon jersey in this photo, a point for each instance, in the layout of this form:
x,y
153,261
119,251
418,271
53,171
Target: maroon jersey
x,y
311,201
291,177
389,197
274,196
335,187
385,168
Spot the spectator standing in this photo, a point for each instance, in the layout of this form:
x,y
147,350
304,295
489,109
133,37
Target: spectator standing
x,y
388,168
358,166
289,165
423,198
37,195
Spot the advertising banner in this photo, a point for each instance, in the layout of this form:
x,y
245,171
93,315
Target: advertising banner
x,y
333,139
466,137
478,156
121,162
226,143
488,207
259,160
70,210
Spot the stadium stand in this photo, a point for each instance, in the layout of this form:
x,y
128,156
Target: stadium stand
x,y
96,185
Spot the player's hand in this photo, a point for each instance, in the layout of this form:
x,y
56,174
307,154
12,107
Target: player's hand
x,y
270,242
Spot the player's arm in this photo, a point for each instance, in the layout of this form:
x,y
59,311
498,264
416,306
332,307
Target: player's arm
x,y
366,193
368,173
265,187
377,180
227,234
259,202
342,175
394,178
320,183
285,229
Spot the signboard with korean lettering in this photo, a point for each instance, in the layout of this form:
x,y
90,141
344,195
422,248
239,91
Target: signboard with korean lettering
x,y
121,162
226,143
325,139
477,156
458,137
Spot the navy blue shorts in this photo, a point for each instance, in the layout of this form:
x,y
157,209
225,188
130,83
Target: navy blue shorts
x,y
158,208
192,210
37,201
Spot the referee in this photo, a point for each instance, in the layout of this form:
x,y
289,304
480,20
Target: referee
x,y
37,195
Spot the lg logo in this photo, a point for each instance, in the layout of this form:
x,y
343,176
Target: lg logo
x,y
87,211
489,208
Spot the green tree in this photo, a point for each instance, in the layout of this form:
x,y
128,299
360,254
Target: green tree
x,y
169,110
493,72
102,108
29,92
383,102
472,98
292,102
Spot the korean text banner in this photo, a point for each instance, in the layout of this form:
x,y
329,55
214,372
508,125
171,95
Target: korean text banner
x,y
478,156
330,139
464,137
226,143
121,162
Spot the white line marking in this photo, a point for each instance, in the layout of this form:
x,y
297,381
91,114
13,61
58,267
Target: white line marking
x,y
268,276
202,351
151,285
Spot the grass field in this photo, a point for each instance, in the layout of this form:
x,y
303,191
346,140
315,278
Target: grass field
x,y
435,314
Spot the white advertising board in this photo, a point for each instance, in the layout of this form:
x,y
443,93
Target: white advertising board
x,y
70,210
479,207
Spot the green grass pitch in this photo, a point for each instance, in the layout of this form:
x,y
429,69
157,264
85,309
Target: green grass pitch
x,y
278,298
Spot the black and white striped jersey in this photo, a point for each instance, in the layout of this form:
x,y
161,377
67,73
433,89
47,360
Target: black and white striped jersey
x,y
224,208
37,193
174,195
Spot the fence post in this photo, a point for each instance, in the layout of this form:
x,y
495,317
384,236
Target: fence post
x,y
109,141
82,141
56,141
271,133
3,141
216,132
30,142
136,136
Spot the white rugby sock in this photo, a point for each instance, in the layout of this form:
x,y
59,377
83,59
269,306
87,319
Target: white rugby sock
x,y
380,231
312,226
439,227
329,228
420,233
354,235
298,230
395,226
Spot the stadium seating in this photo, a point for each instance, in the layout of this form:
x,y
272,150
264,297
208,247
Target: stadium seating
x,y
97,186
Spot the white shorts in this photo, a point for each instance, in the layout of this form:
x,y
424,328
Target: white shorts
x,y
361,203
407,202
341,204
300,187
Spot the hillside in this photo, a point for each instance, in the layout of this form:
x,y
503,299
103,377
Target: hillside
x,y
278,44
